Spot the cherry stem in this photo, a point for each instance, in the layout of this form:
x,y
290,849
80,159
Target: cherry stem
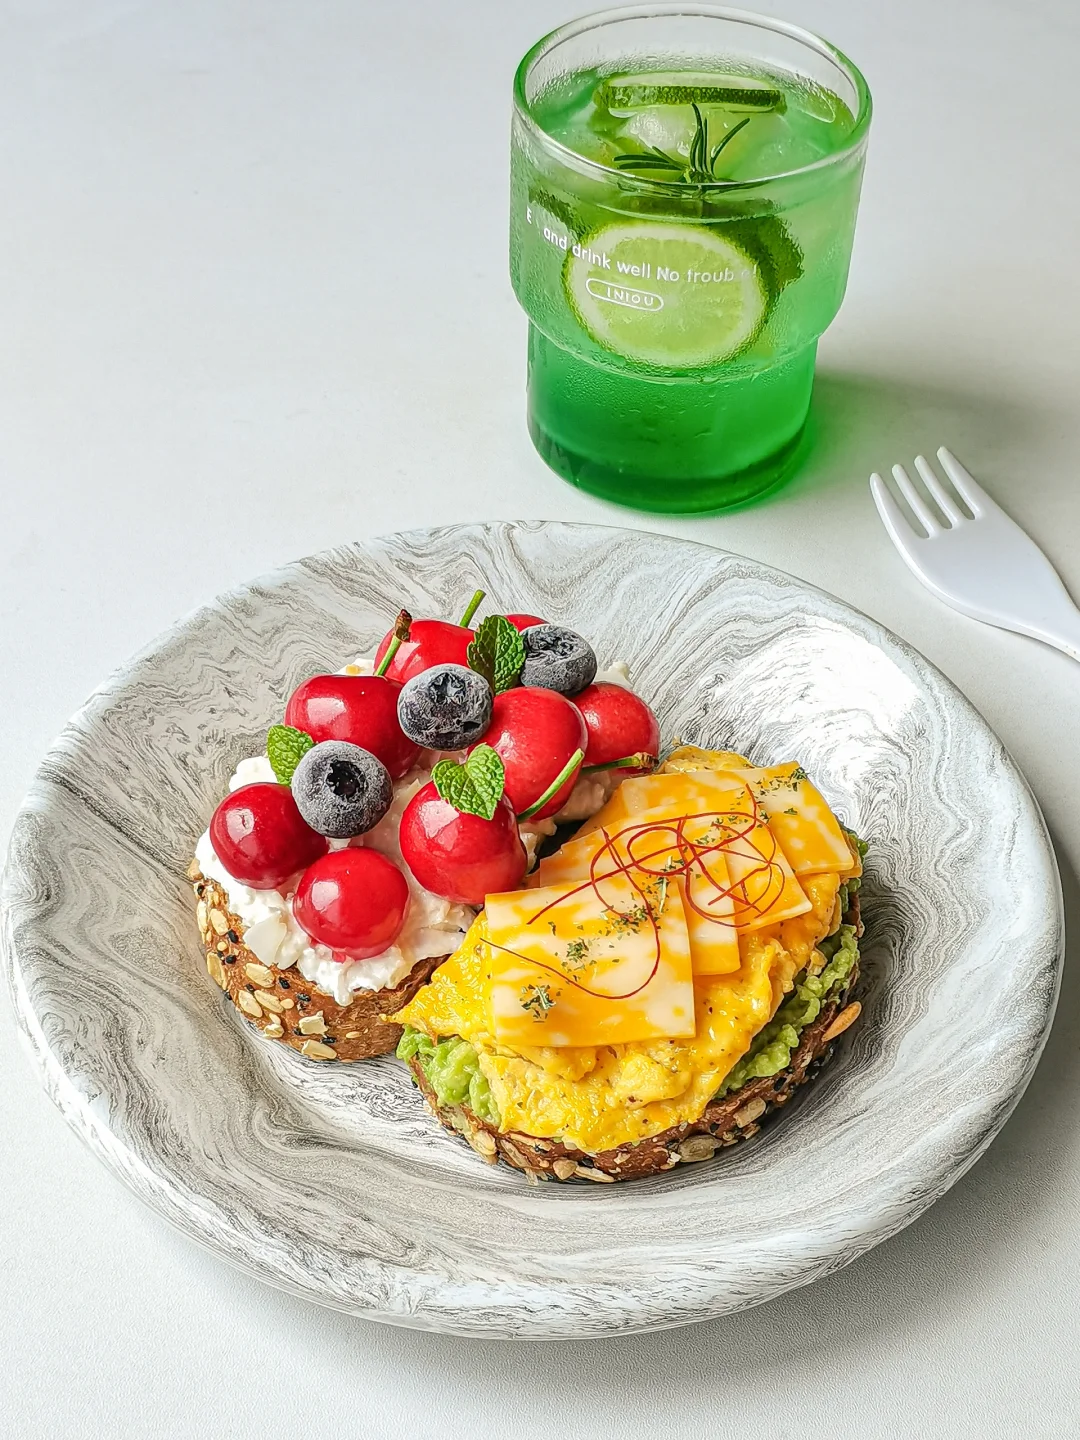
x,y
640,761
555,786
401,633
471,608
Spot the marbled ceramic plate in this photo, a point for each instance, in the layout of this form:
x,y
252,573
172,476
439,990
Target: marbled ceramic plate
x,y
334,1182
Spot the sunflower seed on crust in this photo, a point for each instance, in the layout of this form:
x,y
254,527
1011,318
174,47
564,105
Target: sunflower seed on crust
x,y
313,1024
587,1172
200,916
698,1147
249,1004
482,1142
259,973
315,1051
213,966
219,921
749,1112
843,1021
269,1001
564,1168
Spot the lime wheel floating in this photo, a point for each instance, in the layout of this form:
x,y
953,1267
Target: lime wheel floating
x,y
687,296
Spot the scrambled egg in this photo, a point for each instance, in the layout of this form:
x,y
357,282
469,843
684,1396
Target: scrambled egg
x,y
597,1099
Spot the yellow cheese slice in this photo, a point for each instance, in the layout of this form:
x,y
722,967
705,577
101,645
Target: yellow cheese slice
x,y
798,814
590,964
613,816
454,1001
719,816
808,831
707,902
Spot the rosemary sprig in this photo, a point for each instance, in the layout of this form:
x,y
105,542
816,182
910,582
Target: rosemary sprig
x,y
700,166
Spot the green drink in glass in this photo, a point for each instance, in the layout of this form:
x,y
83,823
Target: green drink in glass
x,y
684,184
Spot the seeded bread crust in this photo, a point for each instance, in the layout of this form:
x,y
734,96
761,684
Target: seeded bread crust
x,y
283,1005
725,1122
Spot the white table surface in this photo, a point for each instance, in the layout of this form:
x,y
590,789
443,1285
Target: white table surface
x,y
254,301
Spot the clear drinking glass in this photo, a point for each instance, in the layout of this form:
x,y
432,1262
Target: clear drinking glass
x,y
684,185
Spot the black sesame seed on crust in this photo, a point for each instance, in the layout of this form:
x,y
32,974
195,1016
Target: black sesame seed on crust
x,y
233,936
283,982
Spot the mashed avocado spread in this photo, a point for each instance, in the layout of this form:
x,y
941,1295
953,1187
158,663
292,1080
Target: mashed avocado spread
x,y
773,1046
452,1069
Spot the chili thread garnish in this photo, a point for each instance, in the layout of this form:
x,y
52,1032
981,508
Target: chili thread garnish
x,y
682,856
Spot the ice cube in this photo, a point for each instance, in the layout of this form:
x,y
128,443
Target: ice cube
x,y
669,128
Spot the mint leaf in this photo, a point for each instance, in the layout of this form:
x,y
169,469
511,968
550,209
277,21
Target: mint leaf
x,y
497,653
487,776
474,787
286,747
455,787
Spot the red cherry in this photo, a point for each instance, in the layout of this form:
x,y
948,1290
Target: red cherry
x,y
430,642
522,622
353,901
619,724
535,732
359,708
259,836
464,858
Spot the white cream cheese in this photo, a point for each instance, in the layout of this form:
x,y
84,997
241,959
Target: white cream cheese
x,y
433,926
617,673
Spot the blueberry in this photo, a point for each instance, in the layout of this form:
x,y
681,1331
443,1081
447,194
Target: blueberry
x,y
557,659
445,708
341,790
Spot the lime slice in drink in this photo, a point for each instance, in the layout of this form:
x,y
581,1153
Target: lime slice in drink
x,y
622,94
676,296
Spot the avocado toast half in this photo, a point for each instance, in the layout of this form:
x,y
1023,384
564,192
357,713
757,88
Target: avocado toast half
x,y
764,1020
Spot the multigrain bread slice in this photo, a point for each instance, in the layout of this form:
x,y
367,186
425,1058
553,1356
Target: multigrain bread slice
x,y
283,1005
725,1122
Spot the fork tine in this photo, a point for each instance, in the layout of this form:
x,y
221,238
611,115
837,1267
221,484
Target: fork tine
x,y
919,507
892,517
968,488
937,492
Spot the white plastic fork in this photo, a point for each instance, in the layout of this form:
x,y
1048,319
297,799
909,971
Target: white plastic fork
x,y
981,564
